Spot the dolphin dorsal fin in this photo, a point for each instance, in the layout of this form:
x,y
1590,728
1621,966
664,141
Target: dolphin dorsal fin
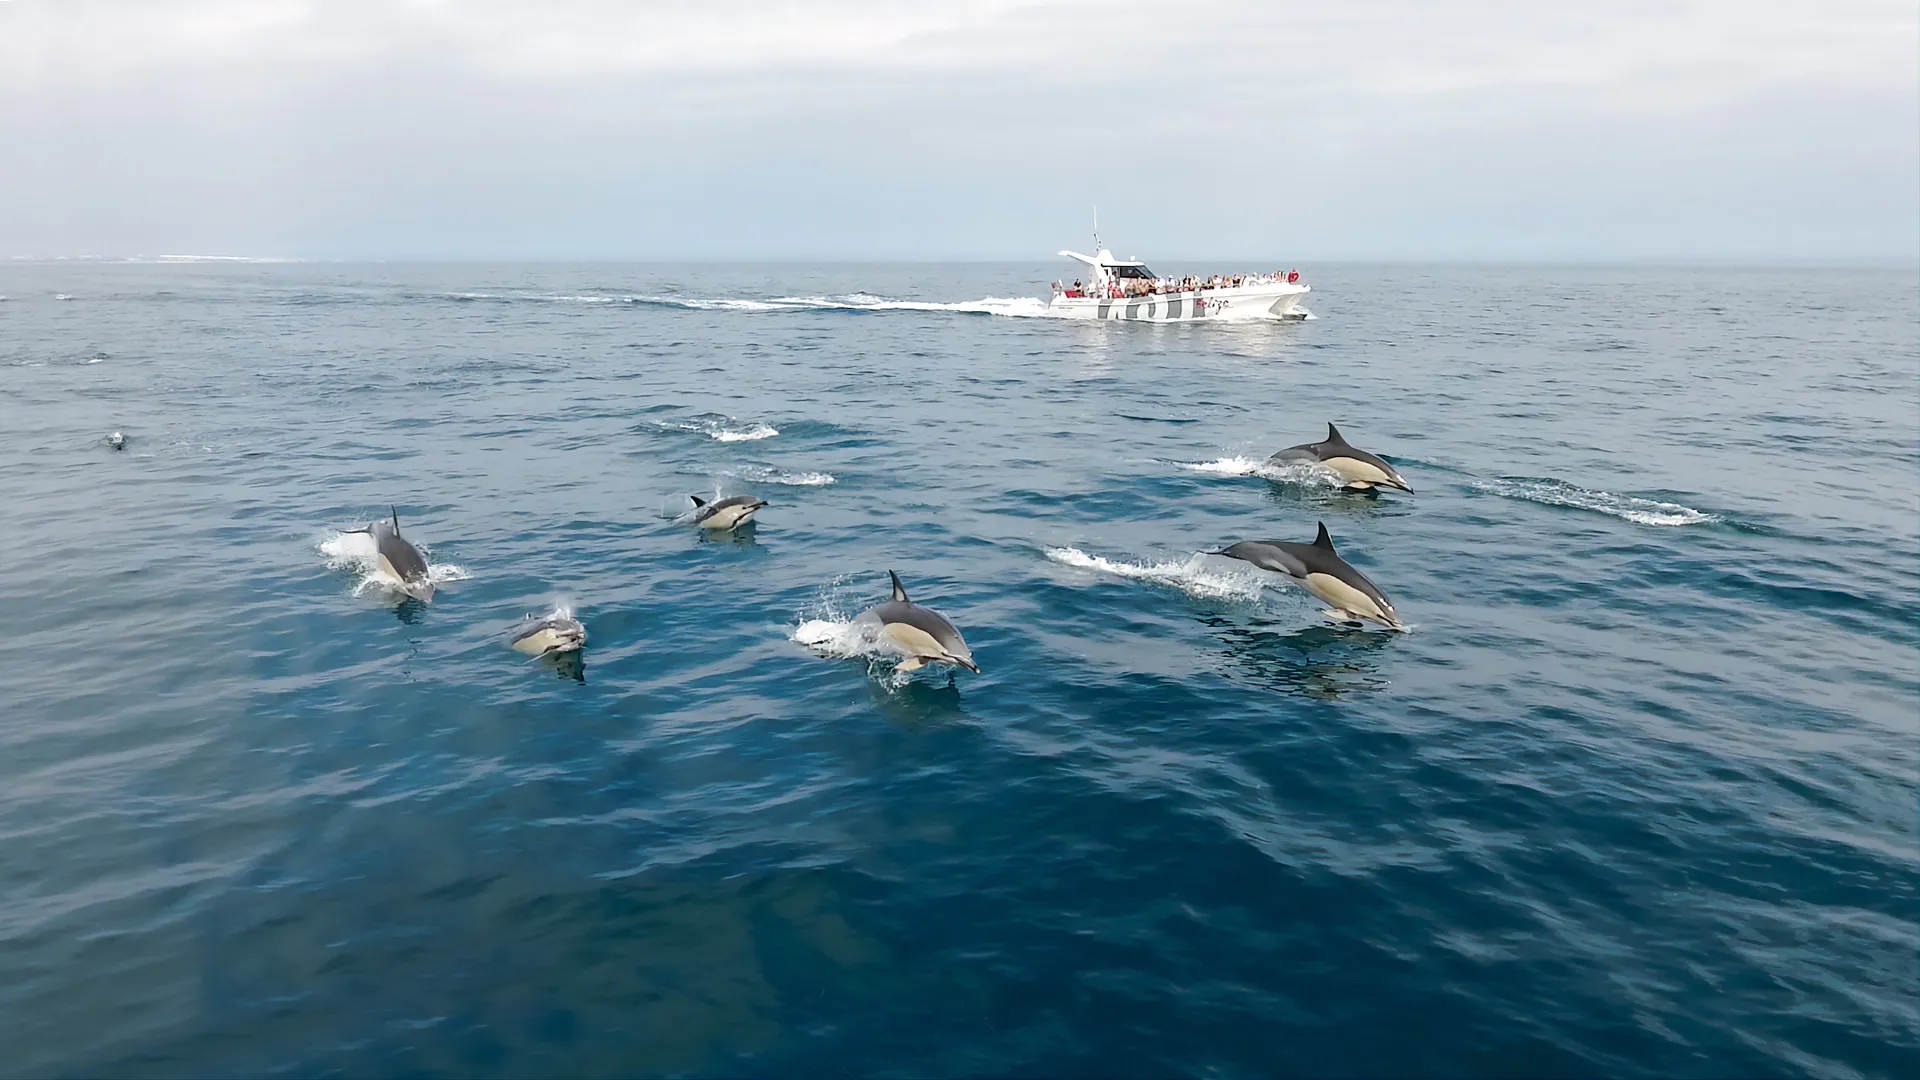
x,y
1323,540
1333,434
395,511
899,590
697,500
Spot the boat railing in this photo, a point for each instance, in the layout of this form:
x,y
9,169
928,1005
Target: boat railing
x,y
1174,286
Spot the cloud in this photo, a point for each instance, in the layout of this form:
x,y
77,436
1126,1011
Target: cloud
x,y
962,128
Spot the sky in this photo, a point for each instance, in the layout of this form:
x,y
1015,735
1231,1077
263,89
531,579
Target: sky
x,y
1713,130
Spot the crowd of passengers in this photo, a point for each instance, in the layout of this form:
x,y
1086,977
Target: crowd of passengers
x,y
1125,288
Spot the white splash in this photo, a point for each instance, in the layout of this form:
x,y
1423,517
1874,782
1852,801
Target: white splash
x,y
762,475
1195,575
358,552
1293,472
1628,507
725,428
829,631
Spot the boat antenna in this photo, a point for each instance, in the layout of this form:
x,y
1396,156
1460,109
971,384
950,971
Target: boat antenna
x,y
1096,230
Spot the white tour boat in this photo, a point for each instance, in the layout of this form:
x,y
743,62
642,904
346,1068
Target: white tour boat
x,y
1124,289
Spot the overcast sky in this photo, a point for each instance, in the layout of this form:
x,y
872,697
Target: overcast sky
x,y
1269,129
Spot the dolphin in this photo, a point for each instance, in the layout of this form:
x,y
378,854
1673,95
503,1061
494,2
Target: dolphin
x,y
922,633
724,514
1356,468
1321,570
117,441
559,632
399,559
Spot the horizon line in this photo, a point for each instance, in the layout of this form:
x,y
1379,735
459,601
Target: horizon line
x,y
1809,261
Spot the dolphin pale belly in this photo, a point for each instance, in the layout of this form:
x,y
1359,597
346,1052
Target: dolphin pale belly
x,y
922,634
722,515
1321,571
559,632
1356,468
400,560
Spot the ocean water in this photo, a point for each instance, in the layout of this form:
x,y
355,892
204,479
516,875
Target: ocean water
x,y
1636,795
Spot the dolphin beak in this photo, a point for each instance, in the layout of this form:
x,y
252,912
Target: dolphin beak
x,y
971,666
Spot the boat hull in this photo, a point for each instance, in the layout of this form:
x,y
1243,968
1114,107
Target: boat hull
x,y
1276,301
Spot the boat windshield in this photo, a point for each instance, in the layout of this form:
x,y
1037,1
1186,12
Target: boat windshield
x,y
1131,272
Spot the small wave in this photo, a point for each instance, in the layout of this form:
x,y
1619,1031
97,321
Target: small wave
x,y
1290,473
357,552
760,475
1193,575
1553,492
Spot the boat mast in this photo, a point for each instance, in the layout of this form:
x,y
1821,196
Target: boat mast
x,y
1099,271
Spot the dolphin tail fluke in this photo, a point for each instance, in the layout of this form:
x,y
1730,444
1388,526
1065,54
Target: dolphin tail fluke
x,y
1323,540
899,590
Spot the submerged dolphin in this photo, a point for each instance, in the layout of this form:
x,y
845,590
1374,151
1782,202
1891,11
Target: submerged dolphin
x,y
399,559
923,634
724,514
1356,468
1323,573
559,632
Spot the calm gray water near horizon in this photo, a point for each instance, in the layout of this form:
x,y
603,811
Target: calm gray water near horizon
x,y
1636,796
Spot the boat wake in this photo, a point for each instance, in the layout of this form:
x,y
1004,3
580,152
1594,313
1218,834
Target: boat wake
x,y
1008,306
1194,575
1551,492
356,552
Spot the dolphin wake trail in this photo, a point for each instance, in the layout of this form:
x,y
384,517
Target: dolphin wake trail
x,y
1197,575
1551,492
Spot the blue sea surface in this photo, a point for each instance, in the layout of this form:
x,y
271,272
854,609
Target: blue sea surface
x,y
1637,795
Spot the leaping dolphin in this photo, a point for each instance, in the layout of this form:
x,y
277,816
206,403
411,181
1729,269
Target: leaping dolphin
x,y
726,514
1356,468
559,632
1322,572
922,633
398,559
